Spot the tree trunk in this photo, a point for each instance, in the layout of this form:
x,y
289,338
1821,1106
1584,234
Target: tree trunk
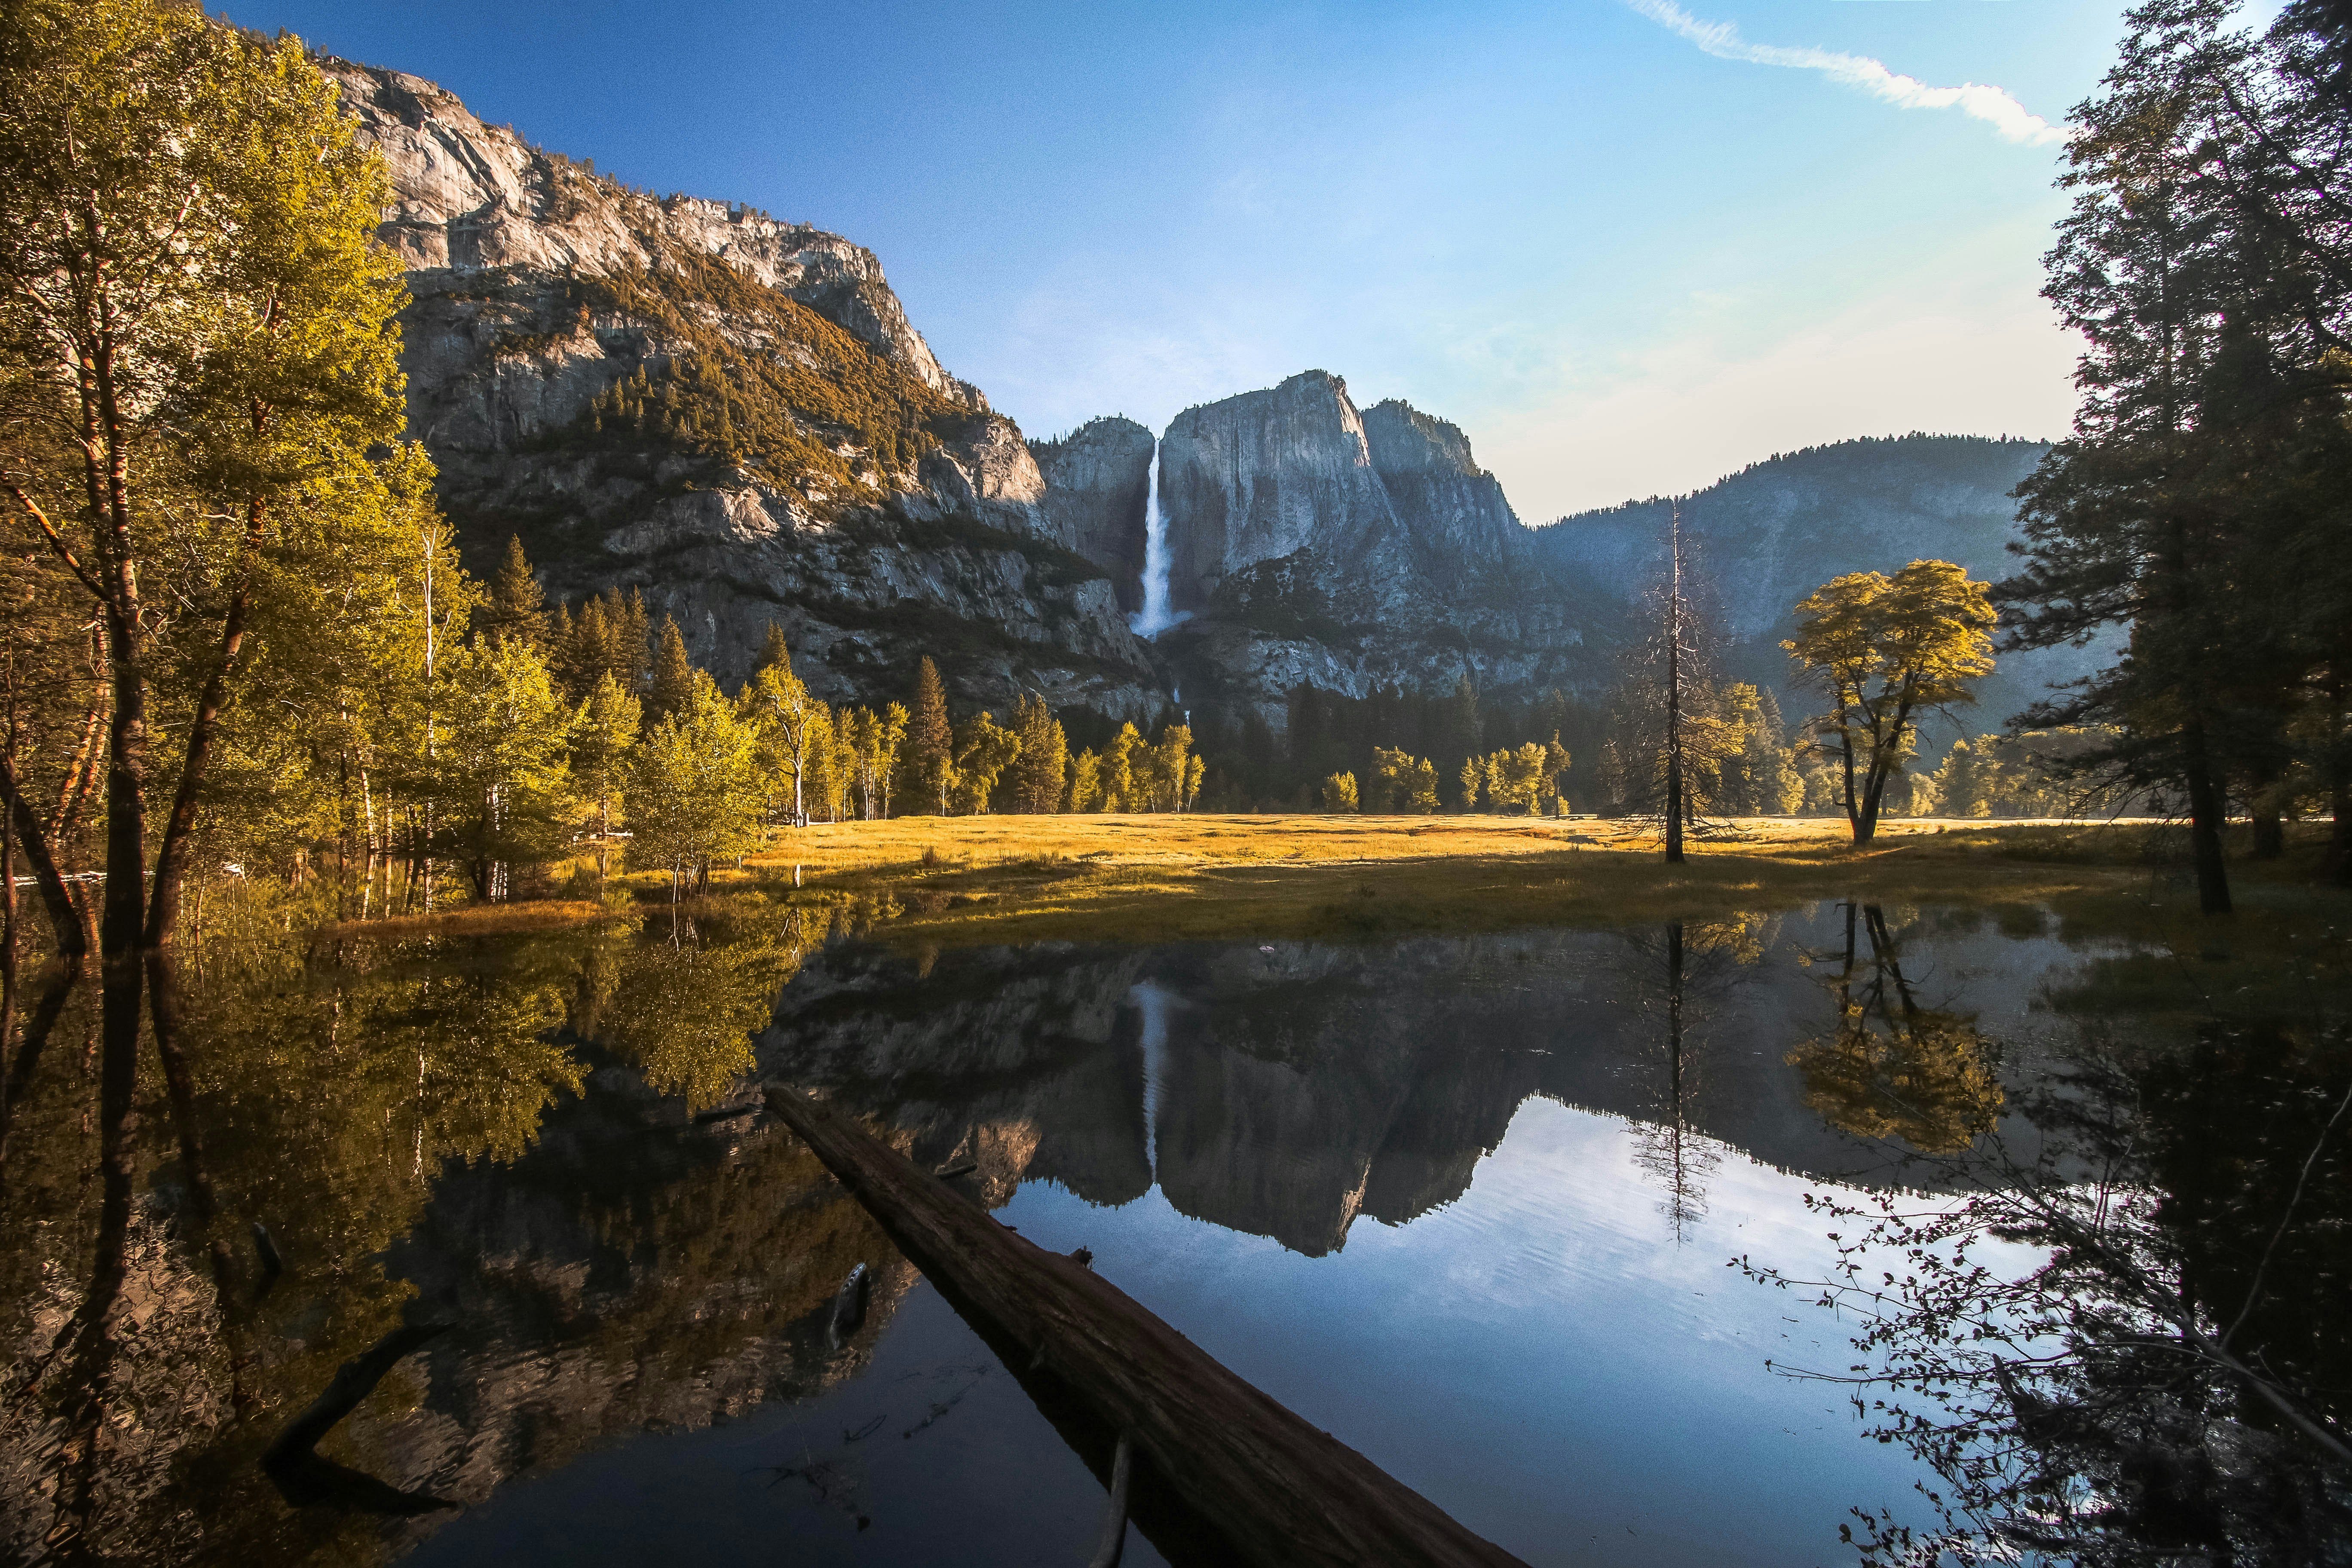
x,y
1281,1492
1674,695
2339,837
64,917
2269,833
1852,802
2262,808
2205,816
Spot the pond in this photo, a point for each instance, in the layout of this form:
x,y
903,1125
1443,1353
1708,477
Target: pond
x,y
1541,1223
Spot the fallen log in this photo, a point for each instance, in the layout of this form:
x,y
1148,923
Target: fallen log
x,y
303,1476
1277,1489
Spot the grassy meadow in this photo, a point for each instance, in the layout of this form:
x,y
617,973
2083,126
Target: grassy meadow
x,y
965,879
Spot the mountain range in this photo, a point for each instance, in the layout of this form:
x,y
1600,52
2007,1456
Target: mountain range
x,y
733,415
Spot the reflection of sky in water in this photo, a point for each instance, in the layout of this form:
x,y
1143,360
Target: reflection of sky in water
x,y
1539,1357
1551,1347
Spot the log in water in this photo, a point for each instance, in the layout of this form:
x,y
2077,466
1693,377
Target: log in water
x,y
1278,1489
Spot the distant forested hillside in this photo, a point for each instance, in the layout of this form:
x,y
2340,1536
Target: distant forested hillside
x,y
1772,533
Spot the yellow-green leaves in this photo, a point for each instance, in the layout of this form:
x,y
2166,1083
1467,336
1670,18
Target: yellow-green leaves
x,y
1882,649
1920,637
693,793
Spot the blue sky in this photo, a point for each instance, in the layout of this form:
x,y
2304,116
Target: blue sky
x,y
1623,263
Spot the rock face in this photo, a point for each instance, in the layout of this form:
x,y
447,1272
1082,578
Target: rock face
x,y
1097,483
729,412
1769,534
1315,543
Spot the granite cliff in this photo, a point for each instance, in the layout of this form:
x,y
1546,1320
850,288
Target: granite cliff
x,y
734,415
730,411
1315,544
1097,483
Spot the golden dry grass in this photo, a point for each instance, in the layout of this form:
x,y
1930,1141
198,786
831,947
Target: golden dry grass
x,y
1166,878
470,920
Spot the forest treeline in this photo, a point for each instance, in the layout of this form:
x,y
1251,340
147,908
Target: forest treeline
x,y
240,641
2200,501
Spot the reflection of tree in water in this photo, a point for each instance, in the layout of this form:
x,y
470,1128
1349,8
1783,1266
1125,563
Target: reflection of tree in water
x,y
1680,980
1890,1067
2162,1377
152,1357
683,1011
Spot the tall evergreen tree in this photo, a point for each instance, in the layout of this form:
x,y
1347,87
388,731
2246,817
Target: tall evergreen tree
x,y
517,608
930,737
1044,757
2203,501
673,675
773,650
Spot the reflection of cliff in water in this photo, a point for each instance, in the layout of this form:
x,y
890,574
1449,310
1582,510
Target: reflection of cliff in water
x,y
1302,1085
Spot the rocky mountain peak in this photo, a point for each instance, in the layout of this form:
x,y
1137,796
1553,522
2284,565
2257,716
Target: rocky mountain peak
x,y
472,197
727,413
1261,475
1402,439
1098,481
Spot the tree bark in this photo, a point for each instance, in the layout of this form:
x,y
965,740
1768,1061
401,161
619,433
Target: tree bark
x,y
64,918
171,855
1279,1490
2206,810
2339,835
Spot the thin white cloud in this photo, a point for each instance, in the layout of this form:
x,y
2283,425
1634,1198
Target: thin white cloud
x,y
1992,105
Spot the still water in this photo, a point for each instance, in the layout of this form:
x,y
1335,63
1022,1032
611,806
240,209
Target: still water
x,y
1474,1206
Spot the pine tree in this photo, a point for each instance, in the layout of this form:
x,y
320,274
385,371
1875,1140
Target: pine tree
x,y
1044,757
1466,730
517,611
930,737
601,736
562,651
628,632
772,651
673,677
1085,782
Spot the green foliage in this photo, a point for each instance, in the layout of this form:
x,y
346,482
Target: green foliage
x,y
601,739
673,678
794,729
609,638
1882,650
873,744
501,783
1756,773
931,739
1044,760
1404,783
693,790
983,750
2035,772
1339,793
517,609
199,380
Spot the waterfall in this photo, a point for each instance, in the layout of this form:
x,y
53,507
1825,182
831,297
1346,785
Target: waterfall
x,y
1153,1003
1155,616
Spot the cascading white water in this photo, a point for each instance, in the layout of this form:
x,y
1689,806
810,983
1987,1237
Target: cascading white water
x,y
1153,1003
1155,616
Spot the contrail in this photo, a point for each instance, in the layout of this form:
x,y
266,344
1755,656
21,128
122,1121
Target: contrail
x,y
1991,104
